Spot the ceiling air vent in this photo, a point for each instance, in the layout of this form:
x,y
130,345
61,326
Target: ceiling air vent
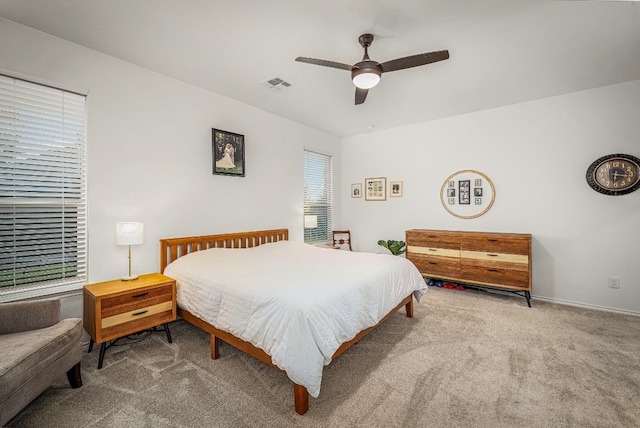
x,y
276,84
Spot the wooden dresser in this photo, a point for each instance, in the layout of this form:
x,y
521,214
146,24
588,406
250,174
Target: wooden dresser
x,y
496,260
114,309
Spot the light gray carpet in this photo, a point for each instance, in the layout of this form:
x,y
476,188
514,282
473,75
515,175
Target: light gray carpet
x,y
467,359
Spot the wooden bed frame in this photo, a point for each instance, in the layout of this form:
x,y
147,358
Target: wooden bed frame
x,y
173,248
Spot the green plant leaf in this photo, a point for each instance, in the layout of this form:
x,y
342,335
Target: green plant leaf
x,y
396,247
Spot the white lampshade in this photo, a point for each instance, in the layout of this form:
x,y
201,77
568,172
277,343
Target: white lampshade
x,y
129,233
310,221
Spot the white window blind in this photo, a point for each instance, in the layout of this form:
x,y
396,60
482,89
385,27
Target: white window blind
x,y
318,194
42,188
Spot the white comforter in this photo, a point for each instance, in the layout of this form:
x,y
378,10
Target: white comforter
x,y
296,302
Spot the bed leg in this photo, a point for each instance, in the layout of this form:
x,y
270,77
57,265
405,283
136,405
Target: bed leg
x,y
301,399
215,342
409,308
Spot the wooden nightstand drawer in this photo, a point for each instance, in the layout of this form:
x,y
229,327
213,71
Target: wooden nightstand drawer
x,y
137,314
136,299
140,319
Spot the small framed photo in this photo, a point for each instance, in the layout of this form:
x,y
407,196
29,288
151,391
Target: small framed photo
x,y
452,183
477,191
227,152
396,189
464,192
478,201
356,190
375,189
451,201
478,182
451,193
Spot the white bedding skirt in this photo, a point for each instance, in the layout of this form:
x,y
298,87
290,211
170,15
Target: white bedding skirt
x,y
296,302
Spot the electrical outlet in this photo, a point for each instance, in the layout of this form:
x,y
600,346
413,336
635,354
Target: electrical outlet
x,y
614,282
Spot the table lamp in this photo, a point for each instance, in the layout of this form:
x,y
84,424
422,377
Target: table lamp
x,y
129,233
310,222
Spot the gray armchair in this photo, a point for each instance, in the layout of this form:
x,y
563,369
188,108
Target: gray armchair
x,y
36,348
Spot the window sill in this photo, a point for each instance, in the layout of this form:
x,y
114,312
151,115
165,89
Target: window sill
x,y
13,294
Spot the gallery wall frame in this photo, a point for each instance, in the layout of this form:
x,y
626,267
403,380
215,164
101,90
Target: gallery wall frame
x,y
356,190
467,194
395,189
375,189
227,152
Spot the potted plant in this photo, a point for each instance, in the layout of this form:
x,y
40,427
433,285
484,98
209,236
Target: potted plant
x,y
396,247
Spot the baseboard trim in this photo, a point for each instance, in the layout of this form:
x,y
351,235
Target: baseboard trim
x,y
585,305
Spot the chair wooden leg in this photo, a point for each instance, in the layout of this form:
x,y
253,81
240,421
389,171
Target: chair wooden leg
x,y
74,376
301,399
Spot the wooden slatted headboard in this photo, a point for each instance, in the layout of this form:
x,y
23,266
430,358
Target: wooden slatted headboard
x,y
173,248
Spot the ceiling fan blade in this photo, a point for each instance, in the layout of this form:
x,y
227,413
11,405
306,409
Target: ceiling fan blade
x,y
361,95
324,63
414,61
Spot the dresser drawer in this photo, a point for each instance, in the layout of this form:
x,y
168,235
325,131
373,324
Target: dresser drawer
x,y
434,251
433,238
497,243
507,278
430,265
497,260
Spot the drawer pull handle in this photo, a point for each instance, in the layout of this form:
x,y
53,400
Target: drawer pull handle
x,y
432,236
492,240
492,255
433,263
493,270
139,313
135,296
433,249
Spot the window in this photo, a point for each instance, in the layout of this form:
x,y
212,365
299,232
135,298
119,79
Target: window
x,y
42,189
318,194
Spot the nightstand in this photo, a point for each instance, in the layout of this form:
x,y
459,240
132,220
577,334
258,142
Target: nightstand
x,y
114,309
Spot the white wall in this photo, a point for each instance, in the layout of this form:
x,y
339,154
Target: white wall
x,y
149,153
536,154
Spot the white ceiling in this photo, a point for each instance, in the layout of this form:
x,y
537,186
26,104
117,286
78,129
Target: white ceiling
x,y
502,51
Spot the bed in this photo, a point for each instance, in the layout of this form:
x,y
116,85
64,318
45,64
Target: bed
x,y
291,305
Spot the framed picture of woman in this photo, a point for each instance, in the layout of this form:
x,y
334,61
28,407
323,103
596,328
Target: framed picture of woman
x,y
227,153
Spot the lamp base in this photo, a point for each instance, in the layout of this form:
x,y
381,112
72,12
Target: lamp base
x,y
129,278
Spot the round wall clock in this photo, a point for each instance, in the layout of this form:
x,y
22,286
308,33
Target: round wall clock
x,y
614,174
467,194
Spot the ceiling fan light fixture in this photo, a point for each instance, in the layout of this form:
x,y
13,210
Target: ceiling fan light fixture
x,y
366,78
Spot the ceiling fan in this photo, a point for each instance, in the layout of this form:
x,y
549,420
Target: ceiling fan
x,y
366,73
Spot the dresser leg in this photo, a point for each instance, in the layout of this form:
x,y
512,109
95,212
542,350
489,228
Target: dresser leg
x,y
90,345
527,296
168,333
103,348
